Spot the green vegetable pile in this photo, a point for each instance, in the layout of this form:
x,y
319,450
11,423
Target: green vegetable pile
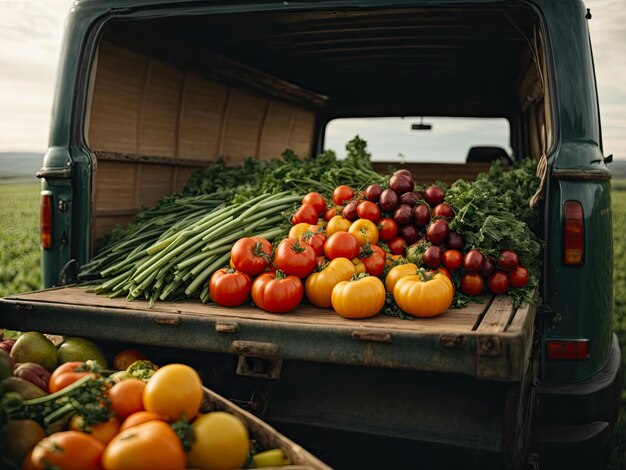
x,y
493,213
169,252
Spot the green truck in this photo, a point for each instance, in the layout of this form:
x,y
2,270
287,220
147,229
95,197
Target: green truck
x,y
150,90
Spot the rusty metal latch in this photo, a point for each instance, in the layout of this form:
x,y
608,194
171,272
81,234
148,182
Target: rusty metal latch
x,y
372,336
167,320
257,359
254,348
226,327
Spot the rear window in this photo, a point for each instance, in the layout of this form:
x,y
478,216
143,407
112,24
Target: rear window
x,y
436,139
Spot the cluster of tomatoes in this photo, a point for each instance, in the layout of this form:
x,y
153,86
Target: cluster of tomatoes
x,y
140,432
357,238
480,271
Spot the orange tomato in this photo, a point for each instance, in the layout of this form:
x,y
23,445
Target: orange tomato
x,y
104,431
126,357
141,417
127,397
152,445
67,450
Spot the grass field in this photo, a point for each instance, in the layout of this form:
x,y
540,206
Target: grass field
x,y
619,310
20,271
19,237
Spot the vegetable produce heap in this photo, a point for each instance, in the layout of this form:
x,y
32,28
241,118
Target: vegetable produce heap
x,y
359,242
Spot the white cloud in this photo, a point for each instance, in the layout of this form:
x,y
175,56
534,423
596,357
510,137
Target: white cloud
x,y
30,42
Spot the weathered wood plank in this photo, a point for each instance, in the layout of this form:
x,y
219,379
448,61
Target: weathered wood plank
x,y
445,343
498,315
453,321
490,346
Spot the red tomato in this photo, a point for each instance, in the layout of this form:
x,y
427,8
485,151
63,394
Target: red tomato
x,y
321,261
251,255
276,292
306,213
498,282
387,229
472,284
374,264
452,259
65,375
341,245
229,287
342,194
316,200
397,246
508,260
518,277
315,240
368,210
379,250
473,261
295,258
332,212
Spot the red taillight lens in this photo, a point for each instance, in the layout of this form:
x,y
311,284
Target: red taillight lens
x,y
573,234
45,219
567,349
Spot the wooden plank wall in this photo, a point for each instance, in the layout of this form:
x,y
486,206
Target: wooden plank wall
x,y
151,124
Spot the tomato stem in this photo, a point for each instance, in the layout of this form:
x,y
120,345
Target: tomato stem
x,y
424,276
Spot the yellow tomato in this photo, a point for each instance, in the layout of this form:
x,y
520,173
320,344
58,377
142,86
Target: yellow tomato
x,y
221,442
424,294
344,267
299,229
359,266
337,224
363,297
175,390
398,272
319,286
365,231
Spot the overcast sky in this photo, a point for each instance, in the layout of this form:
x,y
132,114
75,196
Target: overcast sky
x,y
30,37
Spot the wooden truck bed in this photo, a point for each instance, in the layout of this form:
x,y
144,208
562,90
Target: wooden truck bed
x,y
491,340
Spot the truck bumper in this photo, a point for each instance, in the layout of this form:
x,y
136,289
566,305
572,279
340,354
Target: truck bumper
x,y
575,421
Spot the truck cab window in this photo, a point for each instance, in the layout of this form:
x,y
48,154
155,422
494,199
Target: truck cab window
x,y
419,139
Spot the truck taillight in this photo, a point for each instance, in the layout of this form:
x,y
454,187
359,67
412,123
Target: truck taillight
x,y
567,349
45,219
573,234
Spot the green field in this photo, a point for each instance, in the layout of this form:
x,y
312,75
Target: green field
x,y
19,237
619,310
20,271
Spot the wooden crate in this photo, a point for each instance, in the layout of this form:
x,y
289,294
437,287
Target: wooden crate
x,y
265,435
